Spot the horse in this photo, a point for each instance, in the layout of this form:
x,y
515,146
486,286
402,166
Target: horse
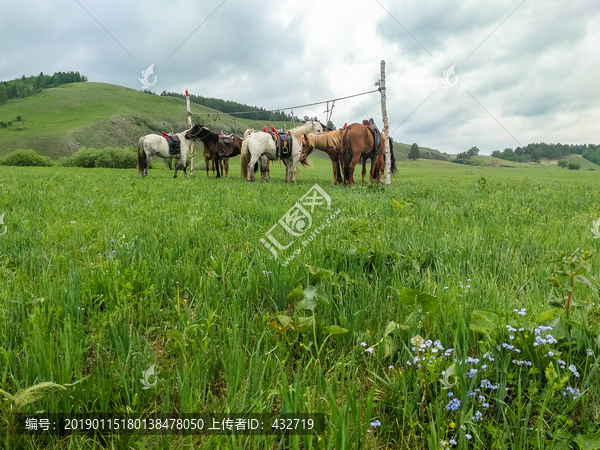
x,y
358,142
155,145
379,163
211,145
331,143
258,146
228,148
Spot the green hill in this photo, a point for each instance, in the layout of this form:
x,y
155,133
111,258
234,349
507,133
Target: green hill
x,y
57,122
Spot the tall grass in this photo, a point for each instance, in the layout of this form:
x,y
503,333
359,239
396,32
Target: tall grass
x,y
105,274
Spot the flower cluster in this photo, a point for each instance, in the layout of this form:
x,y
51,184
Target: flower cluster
x,y
573,370
522,363
453,405
521,313
574,392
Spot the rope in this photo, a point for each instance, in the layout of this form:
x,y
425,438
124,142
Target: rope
x,y
291,107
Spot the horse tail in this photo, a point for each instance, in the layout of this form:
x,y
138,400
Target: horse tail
x,y
245,157
347,153
392,157
142,158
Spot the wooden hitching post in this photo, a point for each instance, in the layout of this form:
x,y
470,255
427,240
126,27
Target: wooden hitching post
x,y
189,116
386,126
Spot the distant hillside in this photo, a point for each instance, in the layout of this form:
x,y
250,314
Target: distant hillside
x,y
401,152
57,122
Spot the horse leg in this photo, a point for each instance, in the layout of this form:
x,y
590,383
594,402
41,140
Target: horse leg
x,y
364,170
145,169
207,163
176,167
253,161
262,164
268,172
351,167
288,172
227,168
184,162
335,171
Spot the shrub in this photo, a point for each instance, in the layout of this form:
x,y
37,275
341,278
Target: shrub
x,y
108,157
25,158
466,161
574,166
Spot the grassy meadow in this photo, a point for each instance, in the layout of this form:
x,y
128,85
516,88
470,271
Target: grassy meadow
x,y
104,274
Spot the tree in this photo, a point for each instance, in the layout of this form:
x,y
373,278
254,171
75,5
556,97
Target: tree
x,y
537,154
562,163
473,151
574,166
330,125
19,118
413,153
463,155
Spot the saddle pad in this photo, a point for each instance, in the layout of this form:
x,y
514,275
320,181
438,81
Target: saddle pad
x,y
285,145
174,145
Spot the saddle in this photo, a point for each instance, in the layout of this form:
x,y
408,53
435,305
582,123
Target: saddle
x,y
173,141
376,136
283,142
226,138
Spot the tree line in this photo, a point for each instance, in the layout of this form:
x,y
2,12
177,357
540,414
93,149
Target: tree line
x,y
535,152
26,86
227,106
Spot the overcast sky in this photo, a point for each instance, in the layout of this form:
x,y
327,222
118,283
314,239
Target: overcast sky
x,y
525,71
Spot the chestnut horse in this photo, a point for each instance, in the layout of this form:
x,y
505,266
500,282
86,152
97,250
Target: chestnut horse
x,y
357,143
379,163
331,143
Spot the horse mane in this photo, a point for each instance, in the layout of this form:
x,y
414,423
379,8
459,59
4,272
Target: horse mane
x,y
324,140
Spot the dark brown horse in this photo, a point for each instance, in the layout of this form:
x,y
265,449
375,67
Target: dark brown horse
x,y
358,142
211,145
329,142
228,148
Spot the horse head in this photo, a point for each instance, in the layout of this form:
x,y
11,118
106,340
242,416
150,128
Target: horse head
x,y
317,127
198,131
306,148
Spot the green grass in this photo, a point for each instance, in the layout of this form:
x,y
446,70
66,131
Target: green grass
x,y
105,273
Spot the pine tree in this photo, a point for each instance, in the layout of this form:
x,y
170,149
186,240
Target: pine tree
x,y
414,152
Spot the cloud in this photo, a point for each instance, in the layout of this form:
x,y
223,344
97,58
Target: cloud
x,y
531,66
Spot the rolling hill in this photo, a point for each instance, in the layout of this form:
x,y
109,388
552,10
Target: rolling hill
x,y
59,121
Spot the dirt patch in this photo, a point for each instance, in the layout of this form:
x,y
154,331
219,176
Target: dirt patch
x,y
499,165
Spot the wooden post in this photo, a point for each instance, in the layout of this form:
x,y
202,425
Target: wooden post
x,y
189,116
386,126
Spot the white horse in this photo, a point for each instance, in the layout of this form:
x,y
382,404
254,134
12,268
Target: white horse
x,y
155,145
257,146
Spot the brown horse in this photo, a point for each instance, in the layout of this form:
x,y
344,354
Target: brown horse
x,y
379,163
357,143
329,142
211,145
228,148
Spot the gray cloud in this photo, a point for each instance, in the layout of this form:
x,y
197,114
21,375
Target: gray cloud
x,y
535,74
